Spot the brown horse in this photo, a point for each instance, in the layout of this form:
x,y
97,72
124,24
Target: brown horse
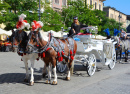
x,y
53,50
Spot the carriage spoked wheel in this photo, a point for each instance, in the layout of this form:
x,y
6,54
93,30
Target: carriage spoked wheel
x,y
91,65
61,66
112,62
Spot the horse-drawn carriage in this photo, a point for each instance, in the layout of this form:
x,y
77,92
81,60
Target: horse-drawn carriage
x,y
89,50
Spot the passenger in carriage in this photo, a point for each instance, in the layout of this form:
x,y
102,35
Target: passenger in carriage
x,y
75,27
123,34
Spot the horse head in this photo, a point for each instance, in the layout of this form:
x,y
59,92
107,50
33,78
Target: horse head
x,y
18,38
33,42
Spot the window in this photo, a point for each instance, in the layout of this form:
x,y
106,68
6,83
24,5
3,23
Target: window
x,y
64,2
99,7
95,5
57,1
90,2
111,15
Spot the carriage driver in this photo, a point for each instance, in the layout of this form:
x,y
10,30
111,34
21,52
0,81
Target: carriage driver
x,y
75,27
123,34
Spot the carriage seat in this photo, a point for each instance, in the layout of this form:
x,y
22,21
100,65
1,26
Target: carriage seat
x,y
80,45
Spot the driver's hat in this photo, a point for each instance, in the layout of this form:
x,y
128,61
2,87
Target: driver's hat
x,y
75,17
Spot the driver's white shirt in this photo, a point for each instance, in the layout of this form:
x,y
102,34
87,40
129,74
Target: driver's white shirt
x,y
123,34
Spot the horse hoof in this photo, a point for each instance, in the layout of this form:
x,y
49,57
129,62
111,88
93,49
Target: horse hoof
x,y
31,83
67,78
44,75
26,80
48,82
54,83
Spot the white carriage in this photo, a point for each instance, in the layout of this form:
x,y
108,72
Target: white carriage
x,y
89,50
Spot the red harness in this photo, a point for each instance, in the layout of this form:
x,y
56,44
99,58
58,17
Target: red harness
x,y
43,54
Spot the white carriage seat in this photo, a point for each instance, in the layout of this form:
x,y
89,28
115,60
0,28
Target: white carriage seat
x,y
80,47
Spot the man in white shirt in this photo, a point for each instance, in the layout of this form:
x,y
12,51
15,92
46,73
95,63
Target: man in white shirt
x,y
123,34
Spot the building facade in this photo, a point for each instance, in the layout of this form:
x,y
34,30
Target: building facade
x,y
57,4
97,4
114,14
128,24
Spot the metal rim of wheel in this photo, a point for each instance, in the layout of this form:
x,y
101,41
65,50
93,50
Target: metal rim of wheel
x,y
91,66
112,63
61,66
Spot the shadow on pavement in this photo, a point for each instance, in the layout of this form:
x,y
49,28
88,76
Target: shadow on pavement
x,y
16,78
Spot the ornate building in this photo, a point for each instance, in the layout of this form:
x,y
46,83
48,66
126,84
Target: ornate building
x,y
115,14
98,4
59,4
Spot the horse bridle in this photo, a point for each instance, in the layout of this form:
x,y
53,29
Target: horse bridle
x,y
34,40
42,49
13,40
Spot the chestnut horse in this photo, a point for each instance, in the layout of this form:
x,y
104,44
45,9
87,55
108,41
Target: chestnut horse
x,y
19,40
53,50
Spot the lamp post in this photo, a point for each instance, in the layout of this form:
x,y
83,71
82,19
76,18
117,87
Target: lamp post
x,y
119,19
39,11
62,30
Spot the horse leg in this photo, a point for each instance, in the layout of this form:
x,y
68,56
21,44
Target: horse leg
x,y
54,71
126,55
49,74
26,68
120,54
32,70
44,71
68,72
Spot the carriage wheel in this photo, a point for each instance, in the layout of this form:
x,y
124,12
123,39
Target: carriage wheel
x,y
61,66
91,65
112,63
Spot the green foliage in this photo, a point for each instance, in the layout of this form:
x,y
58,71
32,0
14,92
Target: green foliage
x,y
18,7
22,5
85,14
3,8
51,19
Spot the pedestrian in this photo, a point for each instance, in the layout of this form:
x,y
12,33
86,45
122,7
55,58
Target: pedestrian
x,y
75,27
123,34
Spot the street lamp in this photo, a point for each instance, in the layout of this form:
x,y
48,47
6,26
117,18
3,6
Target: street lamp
x,y
39,11
119,19
62,30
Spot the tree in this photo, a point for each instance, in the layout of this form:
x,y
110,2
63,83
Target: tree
x,y
17,7
3,8
52,20
22,5
77,8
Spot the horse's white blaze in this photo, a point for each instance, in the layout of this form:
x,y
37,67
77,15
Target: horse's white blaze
x,y
55,75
